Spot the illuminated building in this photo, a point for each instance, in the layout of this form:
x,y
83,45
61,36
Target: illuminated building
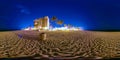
x,y
42,23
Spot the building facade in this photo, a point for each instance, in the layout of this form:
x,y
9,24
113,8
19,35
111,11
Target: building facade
x,y
42,23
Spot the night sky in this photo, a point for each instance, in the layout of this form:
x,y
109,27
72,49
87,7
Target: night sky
x,y
88,14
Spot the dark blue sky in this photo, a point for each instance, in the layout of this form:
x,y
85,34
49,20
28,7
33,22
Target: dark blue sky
x,y
89,14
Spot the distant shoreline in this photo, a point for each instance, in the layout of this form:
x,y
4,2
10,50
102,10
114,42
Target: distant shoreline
x,y
10,30
85,30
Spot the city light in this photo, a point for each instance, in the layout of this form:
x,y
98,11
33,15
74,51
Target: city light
x,y
57,29
44,24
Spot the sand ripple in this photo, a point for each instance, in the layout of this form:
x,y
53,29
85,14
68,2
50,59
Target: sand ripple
x,y
59,44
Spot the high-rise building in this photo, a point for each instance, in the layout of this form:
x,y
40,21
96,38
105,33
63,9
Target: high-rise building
x,y
42,23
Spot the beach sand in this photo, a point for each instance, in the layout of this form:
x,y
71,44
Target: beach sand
x,y
60,44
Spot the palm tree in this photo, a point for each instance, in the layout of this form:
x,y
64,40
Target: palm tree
x,y
54,18
60,22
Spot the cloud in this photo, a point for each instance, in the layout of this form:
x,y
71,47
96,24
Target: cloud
x,y
23,9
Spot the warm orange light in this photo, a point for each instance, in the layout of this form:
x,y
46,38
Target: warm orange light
x,y
57,28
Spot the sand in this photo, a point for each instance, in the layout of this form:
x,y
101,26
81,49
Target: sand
x,y
60,44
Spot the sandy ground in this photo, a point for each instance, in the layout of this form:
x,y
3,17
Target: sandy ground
x,y
65,44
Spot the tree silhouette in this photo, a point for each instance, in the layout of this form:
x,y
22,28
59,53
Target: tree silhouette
x,y
54,18
60,22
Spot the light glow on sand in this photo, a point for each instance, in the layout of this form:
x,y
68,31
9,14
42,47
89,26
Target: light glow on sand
x,y
65,29
57,29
